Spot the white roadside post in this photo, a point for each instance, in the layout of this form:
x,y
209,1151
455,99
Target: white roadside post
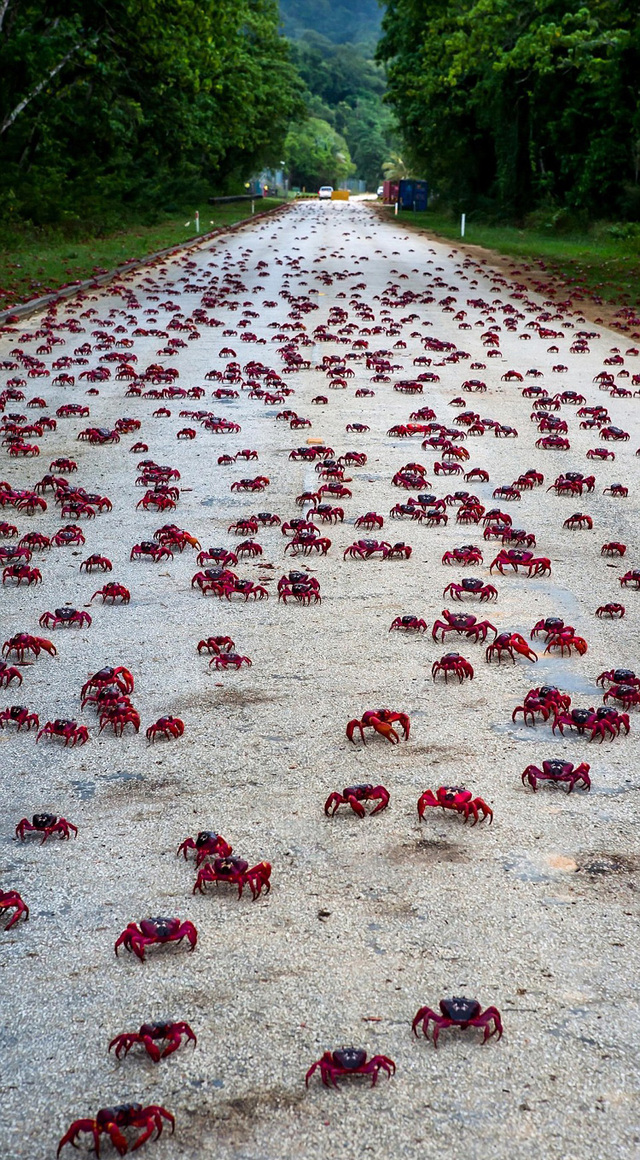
x,y
463,222
197,221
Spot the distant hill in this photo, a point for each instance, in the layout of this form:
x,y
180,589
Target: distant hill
x,y
340,21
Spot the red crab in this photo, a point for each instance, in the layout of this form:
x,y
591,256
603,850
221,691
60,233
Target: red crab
x,y
618,490
68,536
96,561
111,1121
466,555
578,520
464,624
631,579
558,772
64,728
167,726
369,521
236,872
207,844
151,550
328,514
216,645
137,937
230,660
11,900
365,549
459,1012
455,797
354,796
20,572
64,616
613,549
516,558
9,673
510,642
113,592
615,611
47,825
543,701
452,662
23,643
19,715
617,677
382,721
601,722
471,586
408,624
350,1061
169,1033
118,676
566,638
549,626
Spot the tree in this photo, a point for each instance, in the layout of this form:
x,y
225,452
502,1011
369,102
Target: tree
x,y
511,104
316,155
135,101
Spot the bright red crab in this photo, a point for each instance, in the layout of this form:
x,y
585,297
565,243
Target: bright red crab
x,y
471,586
216,645
612,610
464,623
349,1061
9,673
110,675
516,558
111,1122
207,844
150,550
229,660
466,555
558,772
454,663
544,702
605,721
455,797
459,1012
64,617
354,796
113,593
167,726
235,872
510,643
566,638
408,624
613,549
47,825
168,1034
578,520
631,579
23,643
20,572
96,561
19,715
66,730
137,937
11,900
382,722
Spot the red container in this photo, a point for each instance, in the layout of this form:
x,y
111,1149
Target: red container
x,y
390,191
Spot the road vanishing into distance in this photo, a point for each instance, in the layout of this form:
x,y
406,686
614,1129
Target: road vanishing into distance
x,y
371,918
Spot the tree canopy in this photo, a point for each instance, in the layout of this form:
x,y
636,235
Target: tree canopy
x,y
510,104
137,101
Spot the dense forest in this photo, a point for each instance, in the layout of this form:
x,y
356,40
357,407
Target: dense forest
x,y
511,106
107,109
350,131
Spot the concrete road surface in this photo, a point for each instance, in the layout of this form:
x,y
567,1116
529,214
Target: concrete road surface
x,y
368,919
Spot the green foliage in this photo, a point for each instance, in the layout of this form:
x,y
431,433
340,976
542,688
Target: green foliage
x,y
512,104
346,87
105,108
316,155
356,21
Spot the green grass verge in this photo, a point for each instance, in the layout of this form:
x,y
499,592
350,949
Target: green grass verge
x,y
597,265
33,263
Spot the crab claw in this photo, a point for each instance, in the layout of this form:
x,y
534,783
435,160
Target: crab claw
x,y
520,645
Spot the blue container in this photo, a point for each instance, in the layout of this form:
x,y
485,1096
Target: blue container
x,y
413,194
